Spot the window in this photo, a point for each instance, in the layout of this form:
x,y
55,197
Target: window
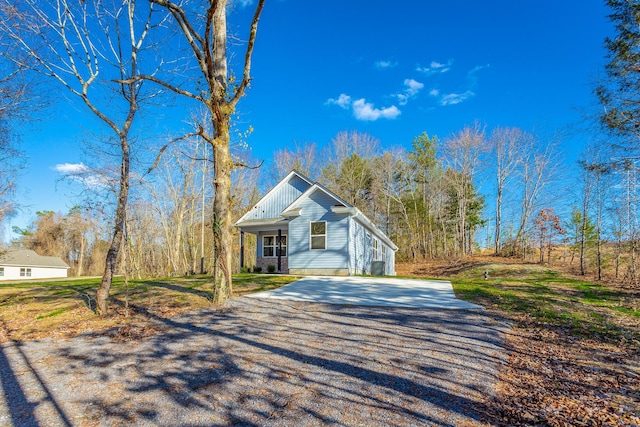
x,y
319,235
25,272
1,271
375,249
384,253
283,243
270,246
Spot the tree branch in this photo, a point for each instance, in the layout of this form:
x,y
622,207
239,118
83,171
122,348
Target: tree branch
x,y
247,57
164,147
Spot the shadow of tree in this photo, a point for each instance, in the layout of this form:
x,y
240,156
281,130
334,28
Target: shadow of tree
x,y
259,362
177,288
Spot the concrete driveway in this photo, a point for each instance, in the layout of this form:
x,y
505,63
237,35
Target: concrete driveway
x,y
373,291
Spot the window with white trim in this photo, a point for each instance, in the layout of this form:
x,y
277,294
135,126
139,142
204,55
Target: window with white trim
x,y
375,254
270,246
25,272
384,252
318,239
1,271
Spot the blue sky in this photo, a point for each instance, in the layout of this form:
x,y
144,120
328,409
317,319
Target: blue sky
x,y
390,69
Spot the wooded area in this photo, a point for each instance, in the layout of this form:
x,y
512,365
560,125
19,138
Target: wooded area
x,y
167,209
431,200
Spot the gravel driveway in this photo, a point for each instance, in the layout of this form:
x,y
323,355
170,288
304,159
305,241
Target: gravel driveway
x,y
258,362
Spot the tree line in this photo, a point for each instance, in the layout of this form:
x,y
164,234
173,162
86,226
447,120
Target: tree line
x,y
501,190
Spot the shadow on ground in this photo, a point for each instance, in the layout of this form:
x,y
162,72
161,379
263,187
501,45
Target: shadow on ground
x,y
258,362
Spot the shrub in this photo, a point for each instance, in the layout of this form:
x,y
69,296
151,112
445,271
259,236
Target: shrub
x,y
271,268
257,269
244,270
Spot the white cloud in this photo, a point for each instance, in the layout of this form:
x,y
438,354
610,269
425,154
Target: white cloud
x,y
436,67
79,172
434,92
343,101
471,75
456,98
363,110
411,88
244,3
478,68
71,168
385,64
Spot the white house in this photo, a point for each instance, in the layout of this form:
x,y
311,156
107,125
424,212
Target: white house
x,y
26,264
304,228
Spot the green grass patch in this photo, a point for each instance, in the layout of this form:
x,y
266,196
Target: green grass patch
x,y
35,309
625,310
584,308
53,313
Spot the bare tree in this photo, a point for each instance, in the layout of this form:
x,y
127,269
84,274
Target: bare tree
x,y
549,227
84,45
204,27
508,144
536,170
463,152
19,96
303,158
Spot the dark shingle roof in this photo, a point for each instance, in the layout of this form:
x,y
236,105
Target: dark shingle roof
x,y
28,258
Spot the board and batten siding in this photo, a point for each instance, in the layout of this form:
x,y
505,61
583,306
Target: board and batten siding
x,y
332,260
390,262
361,247
277,202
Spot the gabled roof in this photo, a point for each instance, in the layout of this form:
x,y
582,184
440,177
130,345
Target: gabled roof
x,y
29,258
293,209
316,186
284,180
342,205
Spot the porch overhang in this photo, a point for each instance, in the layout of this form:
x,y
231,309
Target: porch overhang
x,y
254,226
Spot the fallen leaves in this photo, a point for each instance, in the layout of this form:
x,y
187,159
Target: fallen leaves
x,y
555,379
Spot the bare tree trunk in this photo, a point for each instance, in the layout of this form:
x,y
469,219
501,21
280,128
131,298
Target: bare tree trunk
x,y
80,269
86,42
118,230
208,42
222,234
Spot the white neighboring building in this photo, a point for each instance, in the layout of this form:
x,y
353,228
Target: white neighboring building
x,y
26,264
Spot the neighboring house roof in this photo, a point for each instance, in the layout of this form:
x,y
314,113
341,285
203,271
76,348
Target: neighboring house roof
x,y
293,209
29,258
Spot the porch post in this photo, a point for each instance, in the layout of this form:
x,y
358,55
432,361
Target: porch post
x,y
241,248
279,250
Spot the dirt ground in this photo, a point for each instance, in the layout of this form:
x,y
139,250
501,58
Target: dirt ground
x,y
553,376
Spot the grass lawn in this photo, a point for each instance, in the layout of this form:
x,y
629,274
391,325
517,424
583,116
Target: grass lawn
x,y
535,294
31,310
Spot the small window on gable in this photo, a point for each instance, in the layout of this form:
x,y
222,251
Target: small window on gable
x,y
318,239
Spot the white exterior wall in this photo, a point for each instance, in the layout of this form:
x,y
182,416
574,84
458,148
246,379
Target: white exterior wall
x,y
13,273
